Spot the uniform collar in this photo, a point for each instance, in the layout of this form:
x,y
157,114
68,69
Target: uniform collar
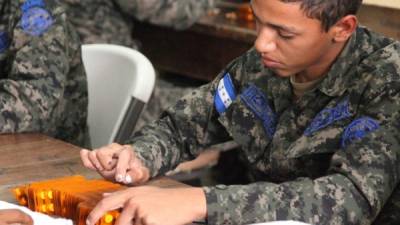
x,y
336,80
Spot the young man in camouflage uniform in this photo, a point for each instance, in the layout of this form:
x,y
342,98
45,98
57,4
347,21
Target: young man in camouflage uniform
x,y
315,108
42,82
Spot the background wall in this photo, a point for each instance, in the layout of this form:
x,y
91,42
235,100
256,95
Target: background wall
x,y
385,20
385,3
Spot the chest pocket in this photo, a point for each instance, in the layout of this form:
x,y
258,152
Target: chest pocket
x,y
251,122
324,133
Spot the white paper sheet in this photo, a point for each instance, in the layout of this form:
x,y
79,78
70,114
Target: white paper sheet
x,y
38,218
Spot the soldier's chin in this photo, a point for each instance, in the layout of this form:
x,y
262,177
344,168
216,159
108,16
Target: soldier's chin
x,y
282,73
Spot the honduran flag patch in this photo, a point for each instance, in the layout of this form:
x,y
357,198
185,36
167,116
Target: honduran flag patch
x,y
225,94
35,19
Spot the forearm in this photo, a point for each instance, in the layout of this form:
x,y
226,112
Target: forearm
x,y
184,131
157,147
361,178
328,200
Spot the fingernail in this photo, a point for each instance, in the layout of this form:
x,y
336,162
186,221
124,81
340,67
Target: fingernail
x,y
128,179
87,222
117,207
99,167
169,173
119,178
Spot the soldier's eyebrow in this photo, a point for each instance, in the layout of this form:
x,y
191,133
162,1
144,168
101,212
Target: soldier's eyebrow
x,y
289,29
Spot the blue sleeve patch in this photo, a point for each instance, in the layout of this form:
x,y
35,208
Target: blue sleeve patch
x,y
36,21
328,116
358,129
225,94
31,4
4,41
259,105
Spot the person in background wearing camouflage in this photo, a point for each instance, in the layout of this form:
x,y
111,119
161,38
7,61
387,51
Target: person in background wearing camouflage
x,y
42,82
315,109
111,21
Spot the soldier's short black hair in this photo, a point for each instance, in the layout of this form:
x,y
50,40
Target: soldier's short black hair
x,y
328,11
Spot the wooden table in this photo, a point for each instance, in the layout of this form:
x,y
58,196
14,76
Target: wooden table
x,y
25,158
33,157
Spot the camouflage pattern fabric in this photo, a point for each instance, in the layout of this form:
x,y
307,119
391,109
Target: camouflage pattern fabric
x,y
179,14
165,94
390,212
331,158
110,21
42,82
99,21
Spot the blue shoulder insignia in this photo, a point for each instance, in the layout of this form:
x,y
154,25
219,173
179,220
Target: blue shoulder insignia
x,y
225,94
31,4
259,105
358,129
36,21
4,41
328,116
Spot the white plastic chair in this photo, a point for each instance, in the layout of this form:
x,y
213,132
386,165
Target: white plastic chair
x,y
120,82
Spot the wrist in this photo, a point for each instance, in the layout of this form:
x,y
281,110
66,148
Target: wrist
x,y
200,206
142,154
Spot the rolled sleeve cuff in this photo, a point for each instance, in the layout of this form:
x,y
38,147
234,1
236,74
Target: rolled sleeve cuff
x,y
217,213
144,152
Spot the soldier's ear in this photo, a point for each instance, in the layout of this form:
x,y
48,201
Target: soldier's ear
x,y
344,28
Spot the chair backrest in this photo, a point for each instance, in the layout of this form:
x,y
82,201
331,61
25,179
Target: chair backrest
x,y
120,82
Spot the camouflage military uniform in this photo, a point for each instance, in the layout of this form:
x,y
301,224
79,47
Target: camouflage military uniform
x,y
110,21
330,158
99,21
42,83
179,14
165,94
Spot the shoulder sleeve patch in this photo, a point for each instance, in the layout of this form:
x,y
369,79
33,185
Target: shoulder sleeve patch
x,y
259,104
225,94
31,4
36,21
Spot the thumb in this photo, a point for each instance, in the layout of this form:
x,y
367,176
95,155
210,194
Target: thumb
x,y
138,172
